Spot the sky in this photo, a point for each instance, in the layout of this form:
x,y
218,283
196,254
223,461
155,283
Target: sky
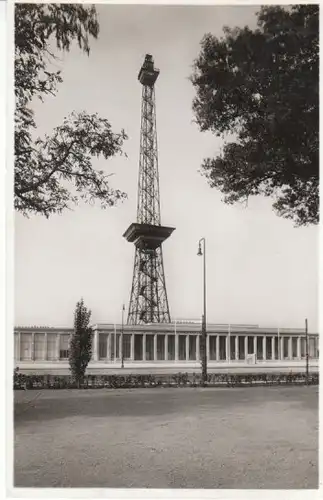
x,y
260,269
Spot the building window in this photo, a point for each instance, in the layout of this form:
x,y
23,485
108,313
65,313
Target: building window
x,y
161,347
118,346
114,342
311,347
138,347
212,352
294,347
39,346
276,348
26,346
285,348
192,347
103,346
64,346
171,347
149,347
250,345
259,348
126,345
241,347
182,347
51,346
17,354
268,348
232,347
222,348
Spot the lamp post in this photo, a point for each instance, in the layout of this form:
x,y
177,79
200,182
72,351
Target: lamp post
x,y
204,334
122,354
306,346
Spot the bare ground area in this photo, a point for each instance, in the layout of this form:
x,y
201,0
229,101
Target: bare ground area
x,y
263,437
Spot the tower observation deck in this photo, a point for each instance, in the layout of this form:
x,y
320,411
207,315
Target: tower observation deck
x,y
148,297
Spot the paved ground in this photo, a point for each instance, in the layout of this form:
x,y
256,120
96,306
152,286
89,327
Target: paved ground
x,y
159,370
264,437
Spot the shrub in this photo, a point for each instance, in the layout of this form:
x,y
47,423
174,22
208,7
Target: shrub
x,y
176,380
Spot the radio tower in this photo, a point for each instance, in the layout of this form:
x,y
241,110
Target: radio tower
x,y
148,298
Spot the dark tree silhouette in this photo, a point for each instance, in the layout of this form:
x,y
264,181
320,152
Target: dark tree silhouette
x,y
54,172
80,349
262,85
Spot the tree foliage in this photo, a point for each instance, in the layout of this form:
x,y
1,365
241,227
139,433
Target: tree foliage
x,y
53,172
262,86
80,350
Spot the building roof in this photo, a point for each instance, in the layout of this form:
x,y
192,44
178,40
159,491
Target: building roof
x,y
178,327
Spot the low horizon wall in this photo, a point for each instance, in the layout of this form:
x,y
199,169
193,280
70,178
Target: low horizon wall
x,y
97,367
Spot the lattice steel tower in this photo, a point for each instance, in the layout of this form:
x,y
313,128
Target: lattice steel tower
x,y
148,298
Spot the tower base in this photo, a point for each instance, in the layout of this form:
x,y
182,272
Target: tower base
x,y
148,300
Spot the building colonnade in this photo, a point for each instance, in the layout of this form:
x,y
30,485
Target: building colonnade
x,y
166,346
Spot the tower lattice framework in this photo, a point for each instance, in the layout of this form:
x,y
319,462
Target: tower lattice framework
x,y
148,297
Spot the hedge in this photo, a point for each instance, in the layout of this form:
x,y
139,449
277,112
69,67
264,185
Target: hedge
x,y
178,380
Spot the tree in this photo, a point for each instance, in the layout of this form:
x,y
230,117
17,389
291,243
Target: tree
x,y
262,86
80,350
54,172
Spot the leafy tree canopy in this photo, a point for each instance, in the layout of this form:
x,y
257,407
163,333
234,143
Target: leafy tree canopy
x,y
262,85
47,168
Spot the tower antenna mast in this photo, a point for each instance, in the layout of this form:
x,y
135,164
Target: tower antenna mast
x,y
148,297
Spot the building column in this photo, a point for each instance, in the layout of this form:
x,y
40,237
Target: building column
x,y
112,346
33,346
217,348
114,340
155,347
46,346
207,347
227,348
108,347
144,347
273,348
298,347
57,346
98,346
290,353
246,347
19,347
166,347
187,347
281,340
255,345
264,348
310,347
236,348
176,347
198,356
132,347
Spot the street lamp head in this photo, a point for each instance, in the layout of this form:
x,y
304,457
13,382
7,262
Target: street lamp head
x,y
199,252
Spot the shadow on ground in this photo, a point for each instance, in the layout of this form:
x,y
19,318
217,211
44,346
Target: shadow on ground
x,y
56,404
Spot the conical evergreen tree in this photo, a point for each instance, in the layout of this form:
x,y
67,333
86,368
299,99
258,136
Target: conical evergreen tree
x,y
80,351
